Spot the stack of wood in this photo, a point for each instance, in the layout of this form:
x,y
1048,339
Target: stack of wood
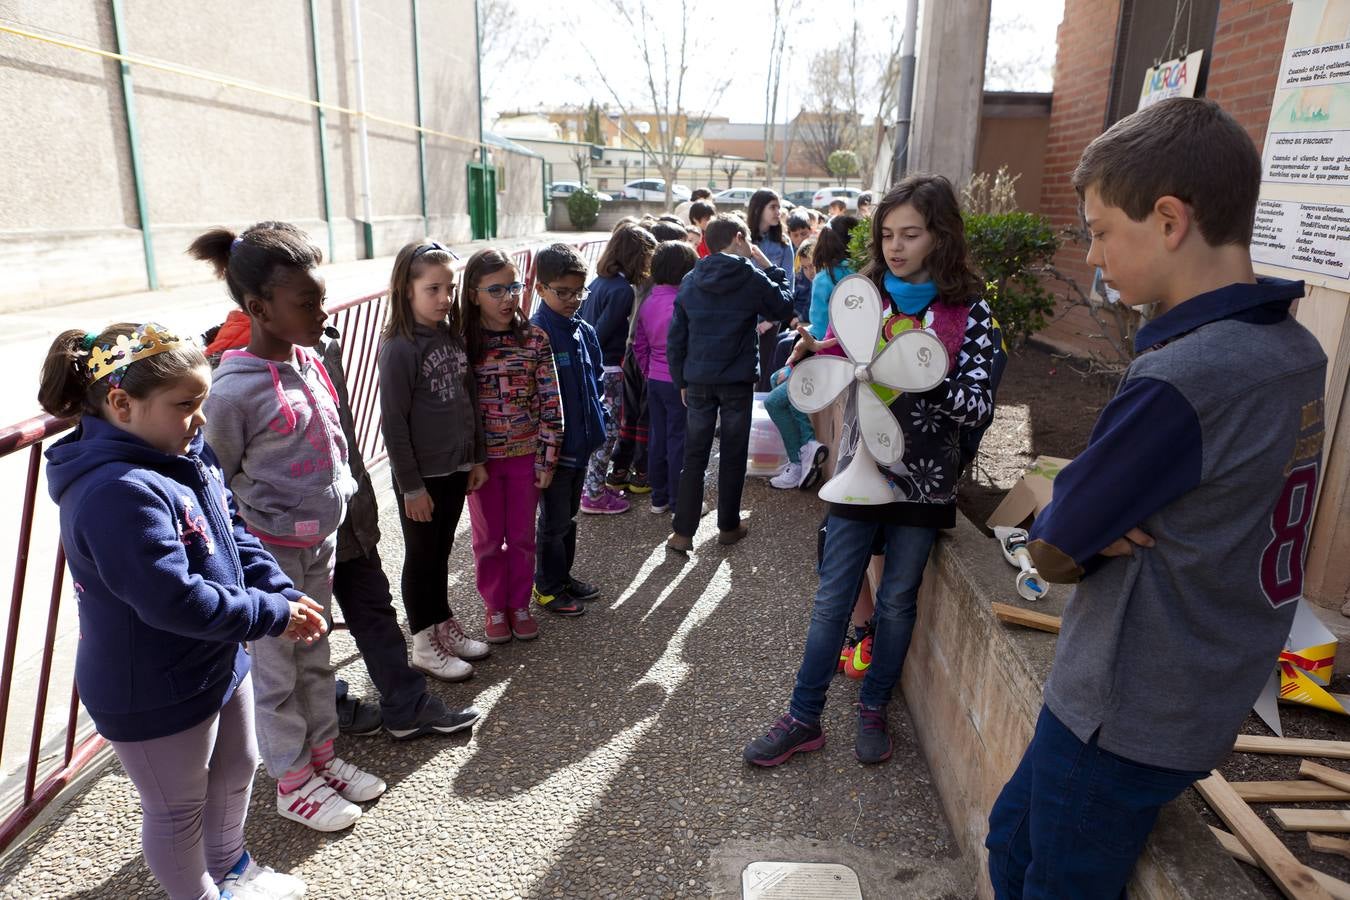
x,y
1251,841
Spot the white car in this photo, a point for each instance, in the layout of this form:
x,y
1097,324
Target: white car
x,y
733,197
827,195
561,190
654,189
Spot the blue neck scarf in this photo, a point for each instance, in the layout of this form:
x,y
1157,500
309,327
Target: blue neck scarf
x,y
910,299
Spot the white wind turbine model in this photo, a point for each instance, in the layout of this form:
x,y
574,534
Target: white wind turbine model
x,y
914,361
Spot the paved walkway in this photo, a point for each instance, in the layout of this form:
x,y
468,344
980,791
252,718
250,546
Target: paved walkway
x,y
608,761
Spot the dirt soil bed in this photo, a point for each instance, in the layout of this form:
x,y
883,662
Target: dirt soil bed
x,y
1045,407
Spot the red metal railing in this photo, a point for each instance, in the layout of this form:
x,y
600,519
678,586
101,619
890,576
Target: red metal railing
x,y
359,321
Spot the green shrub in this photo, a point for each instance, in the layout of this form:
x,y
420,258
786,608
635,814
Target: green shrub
x,y
1010,250
583,207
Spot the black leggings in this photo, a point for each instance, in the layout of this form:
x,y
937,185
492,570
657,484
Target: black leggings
x,y
427,546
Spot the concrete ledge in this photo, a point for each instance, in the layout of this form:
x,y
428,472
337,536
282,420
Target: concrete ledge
x,y
973,686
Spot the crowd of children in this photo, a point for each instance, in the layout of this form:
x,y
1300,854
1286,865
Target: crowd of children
x,y
205,509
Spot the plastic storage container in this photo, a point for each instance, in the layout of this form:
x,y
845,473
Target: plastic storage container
x,y
766,455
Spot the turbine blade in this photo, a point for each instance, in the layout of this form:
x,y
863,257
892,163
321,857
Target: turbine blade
x,y
879,429
855,316
816,382
914,361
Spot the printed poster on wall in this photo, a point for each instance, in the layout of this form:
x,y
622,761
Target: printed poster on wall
x,y
1174,78
1303,218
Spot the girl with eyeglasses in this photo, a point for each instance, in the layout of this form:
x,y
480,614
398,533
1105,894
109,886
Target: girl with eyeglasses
x,y
521,417
429,404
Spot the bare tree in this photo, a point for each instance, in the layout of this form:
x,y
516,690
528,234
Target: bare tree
x,y
826,125
504,34
1019,60
730,167
582,157
665,66
783,13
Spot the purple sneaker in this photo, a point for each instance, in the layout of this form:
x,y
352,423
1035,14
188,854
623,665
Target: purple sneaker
x,y
785,737
608,503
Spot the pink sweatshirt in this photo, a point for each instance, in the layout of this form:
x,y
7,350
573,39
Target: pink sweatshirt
x,y
649,337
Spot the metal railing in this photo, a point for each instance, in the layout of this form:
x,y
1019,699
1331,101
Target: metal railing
x,y
359,321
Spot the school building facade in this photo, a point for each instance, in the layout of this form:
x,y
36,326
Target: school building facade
x,y
130,127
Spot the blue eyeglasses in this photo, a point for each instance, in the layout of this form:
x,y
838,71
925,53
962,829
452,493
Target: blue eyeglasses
x,y
498,291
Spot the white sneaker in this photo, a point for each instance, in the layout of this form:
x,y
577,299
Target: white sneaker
x,y
429,656
455,641
250,881
317,805
657,510
813,457
349,781
788,479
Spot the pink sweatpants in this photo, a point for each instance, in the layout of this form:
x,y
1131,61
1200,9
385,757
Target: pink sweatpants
x,y
503,513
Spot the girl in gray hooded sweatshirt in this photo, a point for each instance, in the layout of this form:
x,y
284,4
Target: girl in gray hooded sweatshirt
x,y
272,418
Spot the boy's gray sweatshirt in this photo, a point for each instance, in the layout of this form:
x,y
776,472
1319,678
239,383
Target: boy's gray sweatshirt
x,y
1212,446
276,430
429,404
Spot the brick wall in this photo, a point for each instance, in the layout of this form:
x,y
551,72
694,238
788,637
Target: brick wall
x,y
1086,48
1244,63
1248,42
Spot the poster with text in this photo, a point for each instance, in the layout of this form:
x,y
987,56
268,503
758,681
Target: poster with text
x,y
1302,225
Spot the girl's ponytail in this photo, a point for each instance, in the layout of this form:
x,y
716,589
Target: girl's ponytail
x,y
213,247
247,262
65,377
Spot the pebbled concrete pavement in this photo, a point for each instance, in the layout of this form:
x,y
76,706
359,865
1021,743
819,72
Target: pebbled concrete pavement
x,y
607,764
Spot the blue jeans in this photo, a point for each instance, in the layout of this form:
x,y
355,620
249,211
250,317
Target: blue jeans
x,y
843,566
1073,819
666,456
793,424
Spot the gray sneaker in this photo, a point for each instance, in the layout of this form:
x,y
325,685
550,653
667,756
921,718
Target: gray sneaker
x,y
874,740
434,718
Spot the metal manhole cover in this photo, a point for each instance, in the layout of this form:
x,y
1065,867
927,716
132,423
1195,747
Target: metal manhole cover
x,y
799,881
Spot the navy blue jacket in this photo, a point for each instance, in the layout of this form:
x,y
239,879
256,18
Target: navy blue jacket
x,y
576,356
715,315
607,308
168,581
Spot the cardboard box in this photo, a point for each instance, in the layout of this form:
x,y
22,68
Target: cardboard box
x,y
1030,495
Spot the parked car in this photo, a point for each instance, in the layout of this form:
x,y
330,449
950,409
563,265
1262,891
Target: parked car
x,y
800,198
826,195
733,197
561,190
654,189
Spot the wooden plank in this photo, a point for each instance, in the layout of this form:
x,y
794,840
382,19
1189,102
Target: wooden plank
x,y
1313,819
1292,877
1016,615
1256,743
1289,792
1324,843
1326,313
1338,889
1325,774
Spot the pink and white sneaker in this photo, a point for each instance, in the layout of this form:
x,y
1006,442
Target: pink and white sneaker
x,y
349,781
317,805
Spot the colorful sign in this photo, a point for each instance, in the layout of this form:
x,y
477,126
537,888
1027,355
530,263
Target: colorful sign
x,y
1174,78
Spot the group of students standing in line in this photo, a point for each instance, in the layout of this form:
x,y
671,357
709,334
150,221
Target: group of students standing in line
x,y
204,510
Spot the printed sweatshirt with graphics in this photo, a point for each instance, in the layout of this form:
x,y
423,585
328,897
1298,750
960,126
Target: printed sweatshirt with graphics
x,y
518,397
429,404
168,581
275,428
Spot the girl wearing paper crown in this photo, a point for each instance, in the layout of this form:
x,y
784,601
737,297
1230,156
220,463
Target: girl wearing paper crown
x,y
170,585
272,419
918,262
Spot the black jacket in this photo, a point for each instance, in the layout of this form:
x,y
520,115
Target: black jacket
x,y
712,333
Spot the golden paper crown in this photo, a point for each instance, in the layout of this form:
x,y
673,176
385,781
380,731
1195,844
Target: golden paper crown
x,y
149,341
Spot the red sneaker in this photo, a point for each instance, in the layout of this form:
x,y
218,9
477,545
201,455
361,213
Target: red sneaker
x,y
496,630
523,625
856,665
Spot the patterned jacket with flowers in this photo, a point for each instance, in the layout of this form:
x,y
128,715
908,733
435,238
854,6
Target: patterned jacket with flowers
x,y
924,481
518,397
